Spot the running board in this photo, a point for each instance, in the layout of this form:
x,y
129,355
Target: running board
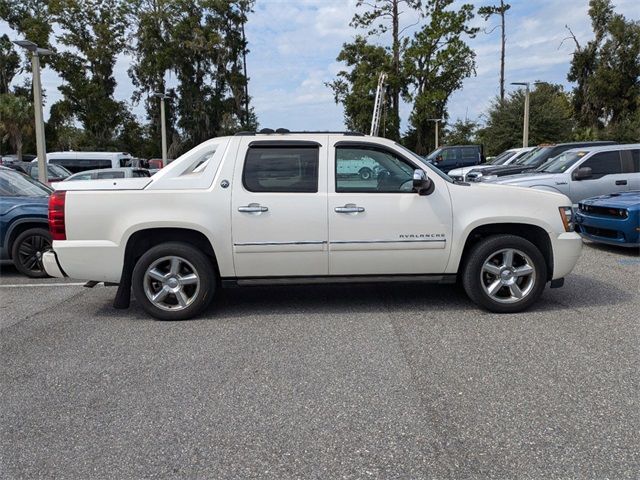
x,y
334,279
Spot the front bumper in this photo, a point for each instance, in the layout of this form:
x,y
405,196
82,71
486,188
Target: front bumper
x,y
610,230
567,248
51,265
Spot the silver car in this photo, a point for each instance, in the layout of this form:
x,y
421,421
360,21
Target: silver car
x,y
103,173
585,172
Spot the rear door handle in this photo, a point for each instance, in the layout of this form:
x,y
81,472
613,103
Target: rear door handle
x,y
621,182
349,208
253,208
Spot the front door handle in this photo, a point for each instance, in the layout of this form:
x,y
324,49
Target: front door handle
x,y
621,182
253,208
349,208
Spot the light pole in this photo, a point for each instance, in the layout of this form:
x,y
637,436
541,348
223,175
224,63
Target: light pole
x,y
437,122
41,149
525,130
163,125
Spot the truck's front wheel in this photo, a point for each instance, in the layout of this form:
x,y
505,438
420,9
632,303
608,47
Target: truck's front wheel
x,y
174,281
504,273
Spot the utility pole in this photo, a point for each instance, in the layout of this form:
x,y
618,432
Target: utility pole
x,y
41,148
437,122
163,125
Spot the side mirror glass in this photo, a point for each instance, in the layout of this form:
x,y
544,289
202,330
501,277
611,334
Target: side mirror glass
x,y
421,183
582,173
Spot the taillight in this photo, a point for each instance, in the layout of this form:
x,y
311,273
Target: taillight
x,y
56,215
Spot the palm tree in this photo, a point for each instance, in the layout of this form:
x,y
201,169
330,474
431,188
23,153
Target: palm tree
x,y
16,120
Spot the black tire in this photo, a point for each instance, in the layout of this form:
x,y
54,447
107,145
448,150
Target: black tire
x,y
365,173
27,249
474,278
197,261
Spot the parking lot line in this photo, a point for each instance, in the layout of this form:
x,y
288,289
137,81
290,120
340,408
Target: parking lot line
x,y
27,285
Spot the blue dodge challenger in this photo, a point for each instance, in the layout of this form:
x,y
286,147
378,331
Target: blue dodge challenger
x,y
613,219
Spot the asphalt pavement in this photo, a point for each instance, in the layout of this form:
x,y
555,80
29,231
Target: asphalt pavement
x,y
384,381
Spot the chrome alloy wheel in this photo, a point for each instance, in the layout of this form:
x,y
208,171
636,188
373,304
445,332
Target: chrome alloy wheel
x,y
508,275
171,283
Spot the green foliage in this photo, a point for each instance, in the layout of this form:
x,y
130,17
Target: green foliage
x,y
380,17
436,62
9,63
202,42
550,119
461,132
355,88
16,120
606,71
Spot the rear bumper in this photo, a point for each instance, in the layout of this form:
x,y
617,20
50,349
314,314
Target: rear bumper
x,y
97,260
51,266
567,248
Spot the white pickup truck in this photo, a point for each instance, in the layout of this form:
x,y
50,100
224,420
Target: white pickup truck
x,y
257,209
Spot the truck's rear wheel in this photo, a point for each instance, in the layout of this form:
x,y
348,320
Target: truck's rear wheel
x,y
504,274
27,251
174,281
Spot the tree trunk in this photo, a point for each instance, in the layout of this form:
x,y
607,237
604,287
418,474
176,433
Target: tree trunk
x,y
395,90
502,11
18,141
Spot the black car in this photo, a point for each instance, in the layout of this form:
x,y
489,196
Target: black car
x,y
455,156
530,162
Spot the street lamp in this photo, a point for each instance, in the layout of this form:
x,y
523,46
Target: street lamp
x,y
525,130
437,122
37,104
163,125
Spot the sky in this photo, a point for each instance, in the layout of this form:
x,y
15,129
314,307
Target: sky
x,y
294,44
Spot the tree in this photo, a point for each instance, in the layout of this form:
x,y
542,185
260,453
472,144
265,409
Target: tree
x,y
436,62
9,63
606,71
95,32
355,88
382,16
500,10
550,119
16,120
462,132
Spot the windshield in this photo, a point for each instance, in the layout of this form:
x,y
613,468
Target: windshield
x,y
16,184
432,155
561,163
53,171
537,156
422,161
500,159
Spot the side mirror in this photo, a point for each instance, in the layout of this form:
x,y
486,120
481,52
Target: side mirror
x,y
438,159
582,173
421,183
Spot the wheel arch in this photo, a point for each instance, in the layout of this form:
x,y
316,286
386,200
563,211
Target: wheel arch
x,y
142,240
19,226
533,233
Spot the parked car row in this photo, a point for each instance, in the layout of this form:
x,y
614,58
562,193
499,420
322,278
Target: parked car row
x,y
602,180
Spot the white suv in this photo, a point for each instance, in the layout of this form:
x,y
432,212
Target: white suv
x,y
258,209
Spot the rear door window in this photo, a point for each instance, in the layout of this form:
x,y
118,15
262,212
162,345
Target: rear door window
x,y
281,169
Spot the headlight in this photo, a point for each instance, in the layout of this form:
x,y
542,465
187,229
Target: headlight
x,y
566,213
